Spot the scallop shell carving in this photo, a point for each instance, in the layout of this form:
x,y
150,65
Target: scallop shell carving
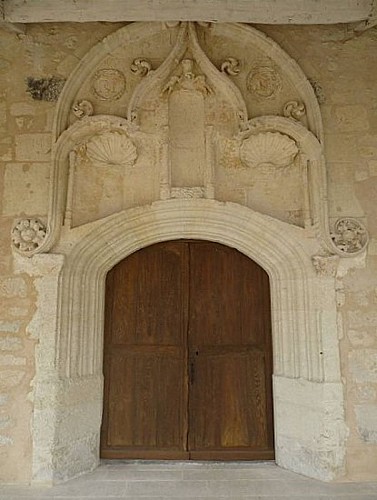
x,y
111,149
268,149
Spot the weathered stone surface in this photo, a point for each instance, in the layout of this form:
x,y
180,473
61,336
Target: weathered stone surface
x,y
10,359
30,182
10,343
33,147
363,365
366,416
10,378
7,326
13,287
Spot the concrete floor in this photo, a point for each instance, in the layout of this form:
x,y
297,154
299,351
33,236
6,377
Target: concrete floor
x,y
193,480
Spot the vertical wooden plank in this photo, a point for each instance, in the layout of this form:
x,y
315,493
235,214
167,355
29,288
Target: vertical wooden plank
x,y
145,365
230,345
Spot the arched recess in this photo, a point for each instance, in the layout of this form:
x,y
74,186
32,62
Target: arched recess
x,y
68,396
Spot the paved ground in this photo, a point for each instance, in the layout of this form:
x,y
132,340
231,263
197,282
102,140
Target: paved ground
x,y
193,481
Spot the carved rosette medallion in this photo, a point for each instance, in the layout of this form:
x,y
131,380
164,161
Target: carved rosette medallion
x,y
268,149
28,235
111,149
108,84
349,236
264,82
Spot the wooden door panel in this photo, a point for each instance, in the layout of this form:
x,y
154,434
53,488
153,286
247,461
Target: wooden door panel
x,y
145,360
229,342
146,409
175,306
232,411
229,297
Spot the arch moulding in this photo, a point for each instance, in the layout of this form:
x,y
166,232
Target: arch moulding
x,y
308,437
159,134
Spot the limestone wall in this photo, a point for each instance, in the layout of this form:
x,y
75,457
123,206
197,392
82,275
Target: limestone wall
x,y
343,70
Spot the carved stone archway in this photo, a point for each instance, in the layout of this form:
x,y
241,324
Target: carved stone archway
x,y
308,395
131,169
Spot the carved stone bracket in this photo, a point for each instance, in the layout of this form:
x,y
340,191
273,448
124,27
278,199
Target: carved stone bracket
x,y
326,265
349,236
28,235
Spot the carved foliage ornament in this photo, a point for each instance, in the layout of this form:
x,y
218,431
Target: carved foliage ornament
x,y
108,84
294,109
349,236
82,109
141,67
268,149
264,82
231,66
111,149
28,235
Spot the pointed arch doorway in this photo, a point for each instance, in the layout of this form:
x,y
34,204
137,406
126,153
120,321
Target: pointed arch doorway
x,y
188,356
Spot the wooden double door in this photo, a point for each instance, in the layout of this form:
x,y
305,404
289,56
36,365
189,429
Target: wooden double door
x,y
187,361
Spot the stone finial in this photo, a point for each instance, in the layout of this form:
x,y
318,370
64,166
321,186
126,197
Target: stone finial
x,y
28,235
349,236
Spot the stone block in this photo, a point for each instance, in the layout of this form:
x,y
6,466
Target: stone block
x,y
10,343
25,189
8,326
33,147
10,378
363,365
366,417
11,360
13,287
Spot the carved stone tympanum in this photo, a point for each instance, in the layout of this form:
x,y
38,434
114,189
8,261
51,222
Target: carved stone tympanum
x,y
349,236
28,235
